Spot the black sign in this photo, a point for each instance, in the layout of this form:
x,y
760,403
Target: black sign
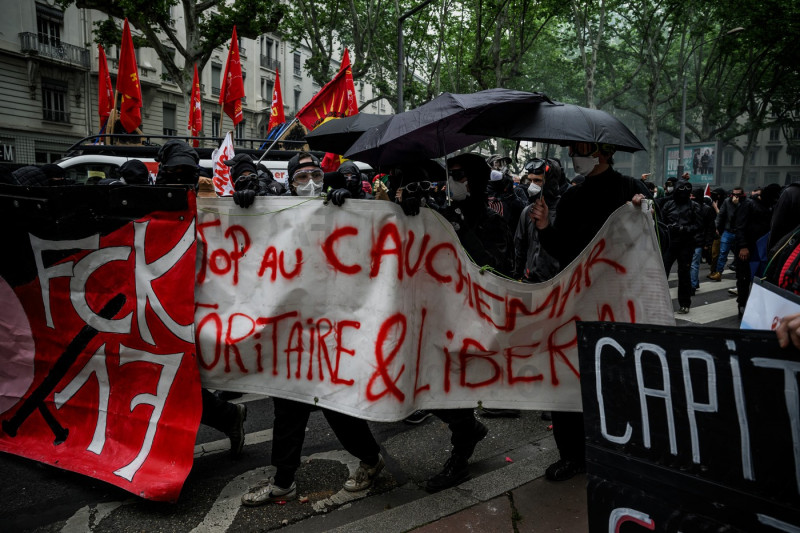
x,y
690,429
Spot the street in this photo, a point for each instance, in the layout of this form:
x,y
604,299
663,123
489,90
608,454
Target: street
x,y
516,451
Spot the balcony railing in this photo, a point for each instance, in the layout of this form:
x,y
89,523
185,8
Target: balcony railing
x,y
269,63
55,115
58,50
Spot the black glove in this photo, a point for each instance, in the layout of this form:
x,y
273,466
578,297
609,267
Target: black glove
x,y
410,206
244,198
338,196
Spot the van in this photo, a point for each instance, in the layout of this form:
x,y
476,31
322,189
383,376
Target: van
x,y
87,162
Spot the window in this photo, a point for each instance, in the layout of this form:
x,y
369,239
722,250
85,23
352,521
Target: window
x,y
48,25
774,134
297,100
727,157
214,124
752,176
239,131
244,84
54,101
753,157
242,49
297,70
169,119
266,48
795,160
42,158
216,74
266,89
772,157
771,177
728,178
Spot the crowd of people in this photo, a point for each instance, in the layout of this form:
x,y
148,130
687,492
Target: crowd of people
x,y
524,227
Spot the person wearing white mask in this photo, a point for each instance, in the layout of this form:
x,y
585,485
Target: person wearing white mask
x,y
582,211
532,264
305,175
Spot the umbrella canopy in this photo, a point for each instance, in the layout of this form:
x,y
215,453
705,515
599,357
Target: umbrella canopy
x,y
337,135
433,129
554,122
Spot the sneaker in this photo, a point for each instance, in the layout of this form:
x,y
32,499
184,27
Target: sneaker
x,y
417,417
683,311
364,476
455,471
499,413
564,469
715,276
733,292
269,493
236,434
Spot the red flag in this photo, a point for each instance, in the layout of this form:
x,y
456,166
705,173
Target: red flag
x,y
707,192
130,109
195,111
336,99
276,115
105,95
232,86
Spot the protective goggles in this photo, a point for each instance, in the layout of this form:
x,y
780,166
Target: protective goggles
x,y
303,176
536,166
415,186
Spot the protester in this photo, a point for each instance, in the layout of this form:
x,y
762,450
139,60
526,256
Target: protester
x,y
250,180
532,264
177,164
582,211
501,194
348,184
786,214
755,225
683,218
726,228
305,175
134,172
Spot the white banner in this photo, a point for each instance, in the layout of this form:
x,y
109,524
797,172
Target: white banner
x,y
767,304
223,182
369,312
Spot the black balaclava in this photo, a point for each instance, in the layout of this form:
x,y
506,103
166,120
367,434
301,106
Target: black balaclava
x,y
683,190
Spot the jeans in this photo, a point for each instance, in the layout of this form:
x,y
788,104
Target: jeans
x,y
725,245
695,269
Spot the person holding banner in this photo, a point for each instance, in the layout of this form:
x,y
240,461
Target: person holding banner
x,y
250,181
582,211
305,175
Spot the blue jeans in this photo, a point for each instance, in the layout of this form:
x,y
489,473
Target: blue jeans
x,y
725,245
694,271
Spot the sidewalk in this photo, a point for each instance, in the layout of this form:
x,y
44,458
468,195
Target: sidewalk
x,y
537,506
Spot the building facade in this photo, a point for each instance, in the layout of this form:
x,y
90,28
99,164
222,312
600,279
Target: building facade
x,y
49,83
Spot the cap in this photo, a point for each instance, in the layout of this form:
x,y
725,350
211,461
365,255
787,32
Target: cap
x,y
176,153
134,172
240,164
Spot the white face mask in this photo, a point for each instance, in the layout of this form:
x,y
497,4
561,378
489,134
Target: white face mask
x,y
309,189
534,189
458,190
584,165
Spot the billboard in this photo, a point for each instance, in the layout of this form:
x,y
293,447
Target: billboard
x,y
699,160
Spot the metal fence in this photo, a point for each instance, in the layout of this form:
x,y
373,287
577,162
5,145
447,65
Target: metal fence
x,y
58,50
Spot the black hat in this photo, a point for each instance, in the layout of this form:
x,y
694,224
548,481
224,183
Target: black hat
x,y
240,164
30,176
294,163
474,165
134,172
348,167
683,185
176,153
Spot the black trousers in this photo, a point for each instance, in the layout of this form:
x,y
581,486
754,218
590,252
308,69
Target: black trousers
x,y
463,426
568,432
743,279
217,413
289,432
682,252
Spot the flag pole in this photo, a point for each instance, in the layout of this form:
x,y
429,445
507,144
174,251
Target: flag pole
x,y
275,141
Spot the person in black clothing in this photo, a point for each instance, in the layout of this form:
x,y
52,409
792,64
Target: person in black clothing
x,y
532,264
503,197
582,211
683,219
250,180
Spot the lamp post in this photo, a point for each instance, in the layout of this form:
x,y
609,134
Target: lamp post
x,y
400,57
681,145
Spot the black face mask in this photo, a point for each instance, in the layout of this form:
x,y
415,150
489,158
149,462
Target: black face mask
x,y
353,185
681,195
498,186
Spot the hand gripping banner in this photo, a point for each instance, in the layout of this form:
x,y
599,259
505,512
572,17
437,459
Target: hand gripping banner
x,y
366,311
96,333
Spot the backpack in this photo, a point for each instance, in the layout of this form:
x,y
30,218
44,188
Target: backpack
x,y
783,268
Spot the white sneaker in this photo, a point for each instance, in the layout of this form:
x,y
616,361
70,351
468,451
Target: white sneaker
x,y
364,476
269,493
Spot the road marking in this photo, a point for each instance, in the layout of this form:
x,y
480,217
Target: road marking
x,y
218,446
708,287
225,508
89,517
703,314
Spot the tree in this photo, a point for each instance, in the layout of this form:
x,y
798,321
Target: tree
x,y
208,24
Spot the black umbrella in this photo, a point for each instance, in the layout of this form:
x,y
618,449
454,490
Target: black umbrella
x,y
433,129
554,122
337,135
